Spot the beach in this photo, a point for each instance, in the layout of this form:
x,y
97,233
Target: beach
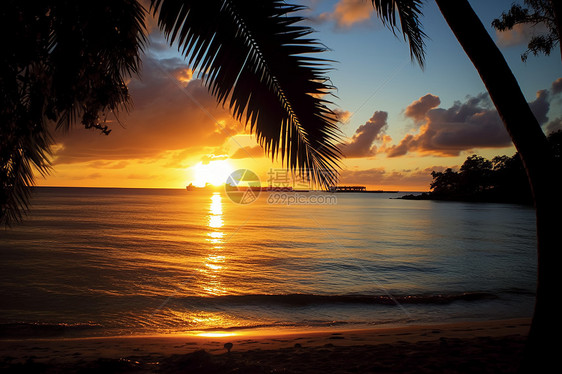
x,y
460,347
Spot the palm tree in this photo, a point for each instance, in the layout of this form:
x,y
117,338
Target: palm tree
x,y
256,59
527,136
70,59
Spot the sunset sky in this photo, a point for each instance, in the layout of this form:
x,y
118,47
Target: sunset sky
x,y
399,122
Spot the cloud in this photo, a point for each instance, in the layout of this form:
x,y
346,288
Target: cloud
x,y
518,35
343,116
362,142
419,108
248,152
172,112
141,176
212,157
463,126
540,106
474,123
556,87
348,13
108,164
554,125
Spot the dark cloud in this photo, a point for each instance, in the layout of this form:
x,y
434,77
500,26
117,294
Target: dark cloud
x,y
172,112
474,123
464,126
540,106
554,125
361,144
419,108
556,87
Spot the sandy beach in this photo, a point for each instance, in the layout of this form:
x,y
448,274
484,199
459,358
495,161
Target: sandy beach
x,y
466,347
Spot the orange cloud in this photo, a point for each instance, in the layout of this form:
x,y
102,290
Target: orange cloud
x,y
518,35
419,108
447,132
362,142
467,125
343,116
172,112
348,13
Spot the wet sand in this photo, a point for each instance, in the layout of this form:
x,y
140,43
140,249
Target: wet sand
x,y
466,347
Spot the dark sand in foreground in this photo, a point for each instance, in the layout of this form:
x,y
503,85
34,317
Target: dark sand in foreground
x,y
467,347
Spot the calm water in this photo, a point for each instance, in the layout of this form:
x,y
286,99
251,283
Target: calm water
x,y
122,261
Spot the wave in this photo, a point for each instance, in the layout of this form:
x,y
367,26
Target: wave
x,y
44,330
312,299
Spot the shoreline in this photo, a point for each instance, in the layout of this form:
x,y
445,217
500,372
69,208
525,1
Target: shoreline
x,y
475,342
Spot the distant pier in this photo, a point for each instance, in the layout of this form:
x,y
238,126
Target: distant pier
x,y
348,189
356,189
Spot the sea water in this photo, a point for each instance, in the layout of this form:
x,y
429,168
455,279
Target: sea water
x,y
90,262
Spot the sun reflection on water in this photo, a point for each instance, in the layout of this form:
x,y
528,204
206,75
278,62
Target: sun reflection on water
x,y
215,262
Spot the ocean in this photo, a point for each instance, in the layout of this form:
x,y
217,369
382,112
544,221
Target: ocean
x,y
105,262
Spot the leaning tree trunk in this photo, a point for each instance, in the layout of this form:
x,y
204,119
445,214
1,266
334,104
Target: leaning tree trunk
x,y
538,160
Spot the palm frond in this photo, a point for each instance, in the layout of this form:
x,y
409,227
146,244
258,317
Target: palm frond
x,y
409,12
256,59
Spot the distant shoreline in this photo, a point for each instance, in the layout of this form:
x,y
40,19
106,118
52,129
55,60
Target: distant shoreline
x,y
368,191
465,198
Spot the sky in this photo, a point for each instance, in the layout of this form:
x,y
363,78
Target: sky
x,y
399,122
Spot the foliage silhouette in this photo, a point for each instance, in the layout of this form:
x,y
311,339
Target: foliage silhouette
x,y
536,12
64,62
500,180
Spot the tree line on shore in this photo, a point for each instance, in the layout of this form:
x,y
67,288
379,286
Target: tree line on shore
x,y
501,179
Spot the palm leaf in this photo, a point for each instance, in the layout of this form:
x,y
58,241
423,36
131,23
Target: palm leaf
x,y
408,12
255,59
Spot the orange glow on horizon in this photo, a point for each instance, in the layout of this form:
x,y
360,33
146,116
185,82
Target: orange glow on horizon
x,y
216,334
215,173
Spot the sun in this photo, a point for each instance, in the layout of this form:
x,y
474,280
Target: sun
x,y
214,173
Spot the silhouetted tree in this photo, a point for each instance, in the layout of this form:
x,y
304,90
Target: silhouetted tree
x,y
501,180
476,174
527,137
63,62
555,140
445,183
66,61
535,12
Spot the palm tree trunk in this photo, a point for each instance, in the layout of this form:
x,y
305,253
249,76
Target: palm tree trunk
x,y
537,158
